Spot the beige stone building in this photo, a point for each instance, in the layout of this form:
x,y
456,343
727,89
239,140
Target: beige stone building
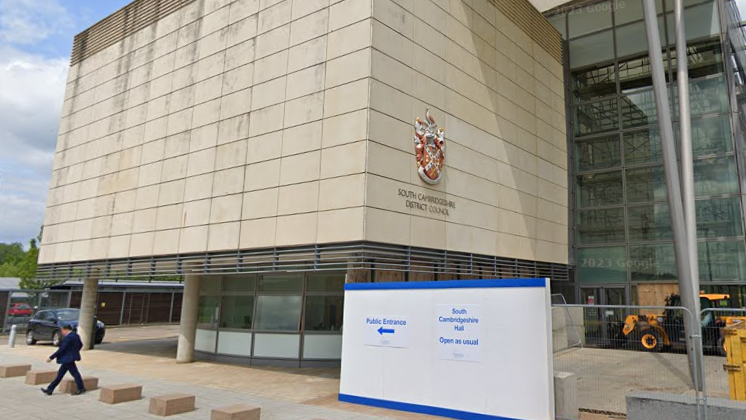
x,y
266,150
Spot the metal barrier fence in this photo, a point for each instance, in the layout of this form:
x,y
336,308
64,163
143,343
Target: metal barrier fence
x,y
712,322
629,348
112,307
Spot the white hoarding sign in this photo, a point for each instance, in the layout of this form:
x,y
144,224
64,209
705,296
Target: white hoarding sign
x,y
450,348
386,331
458,332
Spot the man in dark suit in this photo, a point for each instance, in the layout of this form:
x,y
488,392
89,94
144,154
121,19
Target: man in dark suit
x,y
67,355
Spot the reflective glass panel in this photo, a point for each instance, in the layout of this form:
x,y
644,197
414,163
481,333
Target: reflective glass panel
x,y
600,189
715,176
209,312
638,108
700,21
635,73
324,313
290,283
559,23
649,223
642,147
594,82
705,58
711,136
209,285
631,10
596,117
719,217
631,39
278,313
652,262
722,261
706,96
602,265
601,226
237,312
591,49
646,184
239,284
589,18
326,283
599,153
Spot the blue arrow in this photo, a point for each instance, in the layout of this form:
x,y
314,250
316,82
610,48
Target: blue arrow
x,y
383,331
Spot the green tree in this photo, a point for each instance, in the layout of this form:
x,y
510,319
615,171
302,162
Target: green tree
x,y
11,253
27,270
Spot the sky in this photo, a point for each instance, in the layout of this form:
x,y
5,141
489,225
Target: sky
x,y
35,44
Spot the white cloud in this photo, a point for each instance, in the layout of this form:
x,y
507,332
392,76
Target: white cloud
x,y
31,100
26,22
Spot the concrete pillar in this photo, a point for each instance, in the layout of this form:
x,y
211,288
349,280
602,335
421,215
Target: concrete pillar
x,y
188,323
86,326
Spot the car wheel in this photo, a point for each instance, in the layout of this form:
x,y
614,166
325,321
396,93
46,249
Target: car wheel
x,y
56,339
30,340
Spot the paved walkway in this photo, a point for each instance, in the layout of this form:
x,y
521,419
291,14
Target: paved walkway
x,y
283,394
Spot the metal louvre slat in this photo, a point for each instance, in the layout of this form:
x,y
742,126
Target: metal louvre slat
x,y
345,256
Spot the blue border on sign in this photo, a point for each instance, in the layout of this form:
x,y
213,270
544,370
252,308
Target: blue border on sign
x,y
421,409
449,284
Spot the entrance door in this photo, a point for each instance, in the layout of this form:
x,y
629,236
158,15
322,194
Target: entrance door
x,y
600,322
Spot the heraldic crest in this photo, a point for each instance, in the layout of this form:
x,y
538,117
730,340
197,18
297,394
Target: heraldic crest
x,y
429,146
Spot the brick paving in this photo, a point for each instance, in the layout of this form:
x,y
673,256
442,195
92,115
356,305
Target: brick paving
x,y
283,394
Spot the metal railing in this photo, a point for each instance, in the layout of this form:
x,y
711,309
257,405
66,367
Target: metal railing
x,y
630,348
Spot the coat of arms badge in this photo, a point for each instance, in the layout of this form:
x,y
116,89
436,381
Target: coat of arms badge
x,y
429,146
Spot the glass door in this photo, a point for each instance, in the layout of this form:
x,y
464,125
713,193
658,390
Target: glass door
x,y
601,324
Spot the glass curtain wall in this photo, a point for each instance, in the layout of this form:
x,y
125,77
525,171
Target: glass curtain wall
x,y
623,229
280,316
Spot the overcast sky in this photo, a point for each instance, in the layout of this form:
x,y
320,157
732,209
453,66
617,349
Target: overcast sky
x,y
35,43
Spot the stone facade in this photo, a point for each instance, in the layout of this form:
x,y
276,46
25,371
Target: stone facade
x,y
249,124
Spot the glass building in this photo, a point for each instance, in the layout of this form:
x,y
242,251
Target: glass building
x,y
620,224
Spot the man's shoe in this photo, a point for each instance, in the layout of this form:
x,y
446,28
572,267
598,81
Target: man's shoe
x,y
46,392
79,392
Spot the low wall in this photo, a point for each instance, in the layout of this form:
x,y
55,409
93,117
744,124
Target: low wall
x,y
567,328
642,405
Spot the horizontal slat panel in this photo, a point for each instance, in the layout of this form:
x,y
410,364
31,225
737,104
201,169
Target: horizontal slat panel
x,y
332,257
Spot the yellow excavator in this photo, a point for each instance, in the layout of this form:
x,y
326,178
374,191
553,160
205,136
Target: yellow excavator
x,y
655,333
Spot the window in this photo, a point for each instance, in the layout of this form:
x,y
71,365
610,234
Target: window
x,y
592,49
722,261
646,184
706,96
599,153
602,265
652,263
239,284
236,312
642,147
600,189
601,226
596,117
209,312
638,108
324,313
278,313
595,82
711,136
326,283
715,176
281,284
209,285
649,223
719,217
591,18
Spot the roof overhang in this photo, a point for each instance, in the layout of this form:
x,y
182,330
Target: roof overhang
x,y
544,5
